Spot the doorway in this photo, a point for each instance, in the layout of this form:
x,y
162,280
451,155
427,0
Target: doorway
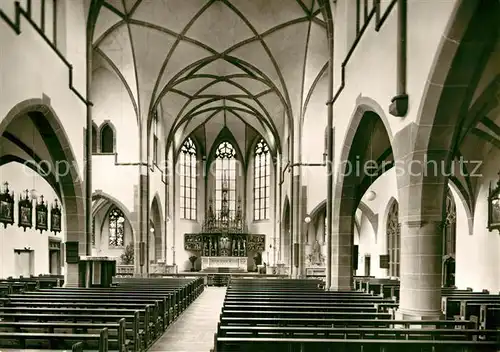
x,y
24,262
55,256
368,264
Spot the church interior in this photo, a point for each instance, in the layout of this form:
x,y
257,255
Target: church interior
x,y
250,175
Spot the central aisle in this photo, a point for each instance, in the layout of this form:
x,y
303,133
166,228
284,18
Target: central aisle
x,y
194,330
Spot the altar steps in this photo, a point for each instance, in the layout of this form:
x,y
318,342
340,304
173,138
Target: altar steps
x,y
220,276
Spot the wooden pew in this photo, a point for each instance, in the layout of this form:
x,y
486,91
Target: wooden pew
x,y
117,341
456,304
332,322
358,333
172,295
307,314
137,336
57,338
261,344
116,294
158,303
254,315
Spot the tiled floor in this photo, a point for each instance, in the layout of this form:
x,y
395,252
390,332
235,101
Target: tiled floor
x,y
194,330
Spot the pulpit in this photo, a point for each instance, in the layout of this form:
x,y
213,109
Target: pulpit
x,y
96,271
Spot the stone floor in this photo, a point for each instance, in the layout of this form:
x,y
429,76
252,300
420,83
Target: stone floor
x,y
194,330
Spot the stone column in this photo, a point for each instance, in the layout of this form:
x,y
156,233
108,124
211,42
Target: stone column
x,y
341,247
420,293
296,228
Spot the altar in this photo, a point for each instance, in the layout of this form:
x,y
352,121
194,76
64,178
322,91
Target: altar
x,y
224,241
240,263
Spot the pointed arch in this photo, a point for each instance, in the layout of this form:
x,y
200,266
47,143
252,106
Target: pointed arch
x,y
60,149
371,216
225,135
454,184
261,180
226,178
393,237
286,243
156,219
107,138
188,172
101,199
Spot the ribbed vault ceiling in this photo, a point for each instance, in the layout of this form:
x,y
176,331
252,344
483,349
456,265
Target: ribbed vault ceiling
x,y
254,62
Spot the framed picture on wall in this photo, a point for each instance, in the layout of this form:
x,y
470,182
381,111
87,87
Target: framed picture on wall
x,y
41,216
55,218
25,212
6,206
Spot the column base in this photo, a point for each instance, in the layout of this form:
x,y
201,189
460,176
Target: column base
x,y
415,315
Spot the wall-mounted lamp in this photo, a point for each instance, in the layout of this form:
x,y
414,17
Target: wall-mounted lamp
x,y
34,194
307,219
152,230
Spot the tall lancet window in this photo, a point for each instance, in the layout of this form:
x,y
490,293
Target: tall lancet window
x,y
225,179
187,160
116,228
394,240
262,181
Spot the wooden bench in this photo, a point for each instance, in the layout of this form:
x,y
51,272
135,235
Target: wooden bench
x,y
359,333
333,322
118,340
55,339
306,319
134,333
250,344
456,305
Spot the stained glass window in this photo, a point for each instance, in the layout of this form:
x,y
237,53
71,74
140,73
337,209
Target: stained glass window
x,y
394,240
116,228
225,171
262,181
187,160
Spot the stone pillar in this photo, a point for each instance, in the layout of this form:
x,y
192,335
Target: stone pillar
x,y
420,293
341,248
296,227
144,220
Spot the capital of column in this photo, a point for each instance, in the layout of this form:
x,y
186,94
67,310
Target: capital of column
x,y
423,223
